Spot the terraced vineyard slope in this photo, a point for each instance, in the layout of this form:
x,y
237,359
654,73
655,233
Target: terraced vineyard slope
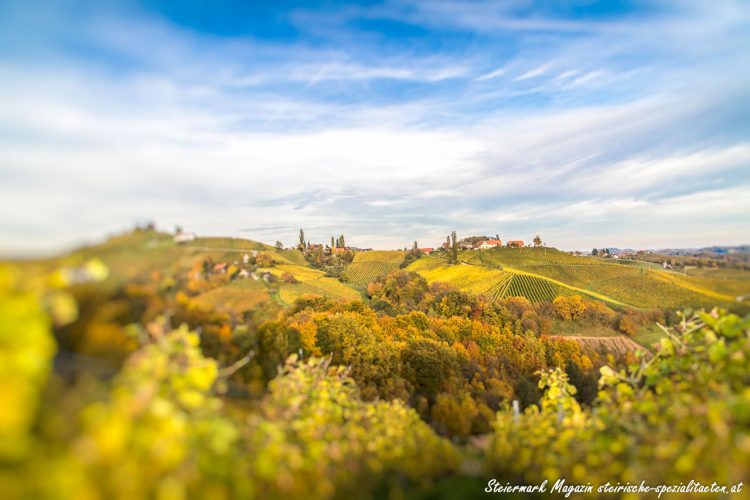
x,y
368,266
544,273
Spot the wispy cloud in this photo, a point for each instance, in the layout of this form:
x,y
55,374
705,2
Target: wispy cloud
x,y
386,122
538,71
491,74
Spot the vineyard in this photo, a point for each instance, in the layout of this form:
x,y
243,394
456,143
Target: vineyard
x,y
633,283
728,287
368,266
534,289
292,256
362,273
583,275
390,256
492,283
311,281
499,289
521,257
475,279
648,291
618,346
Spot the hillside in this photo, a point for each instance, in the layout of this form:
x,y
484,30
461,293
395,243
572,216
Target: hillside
x,y
367,266
616,345
243,341
141,256
544,273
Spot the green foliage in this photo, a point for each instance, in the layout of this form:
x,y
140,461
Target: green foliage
x,y
314,438
681,414
26,350
402,291
232,411
411,256
161,432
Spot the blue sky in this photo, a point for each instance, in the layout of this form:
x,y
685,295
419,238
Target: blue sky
x,y
591,123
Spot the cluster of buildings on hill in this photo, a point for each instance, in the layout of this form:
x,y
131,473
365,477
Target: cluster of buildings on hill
x,y
485,244
335,250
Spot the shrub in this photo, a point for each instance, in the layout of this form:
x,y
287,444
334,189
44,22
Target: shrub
x,y
264,260
569,308
288,277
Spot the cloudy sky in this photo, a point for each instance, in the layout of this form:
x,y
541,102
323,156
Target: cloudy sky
x,y
611,123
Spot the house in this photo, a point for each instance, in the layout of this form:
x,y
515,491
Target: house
x,y
221,267
426,251
244,274
339,250
183,237
515,243
487,244
245,259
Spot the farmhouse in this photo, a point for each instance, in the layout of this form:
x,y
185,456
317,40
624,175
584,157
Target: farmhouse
x,y
426,251
183,237
515,243
486,244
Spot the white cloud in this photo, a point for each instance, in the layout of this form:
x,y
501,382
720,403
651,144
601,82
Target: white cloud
x,y
538,71
491,74
258,139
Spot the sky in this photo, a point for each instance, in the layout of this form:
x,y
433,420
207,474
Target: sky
x,y
616,123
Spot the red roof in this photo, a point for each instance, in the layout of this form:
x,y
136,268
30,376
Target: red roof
x,y
426,250
493,242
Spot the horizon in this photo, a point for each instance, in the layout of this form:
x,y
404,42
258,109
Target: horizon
x,y
625,123
291,244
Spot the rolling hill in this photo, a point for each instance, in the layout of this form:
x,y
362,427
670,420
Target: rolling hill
x,y
544,273
140,255
368,266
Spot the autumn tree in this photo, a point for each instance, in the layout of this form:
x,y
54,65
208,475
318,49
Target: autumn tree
x,y
569,308
537,241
